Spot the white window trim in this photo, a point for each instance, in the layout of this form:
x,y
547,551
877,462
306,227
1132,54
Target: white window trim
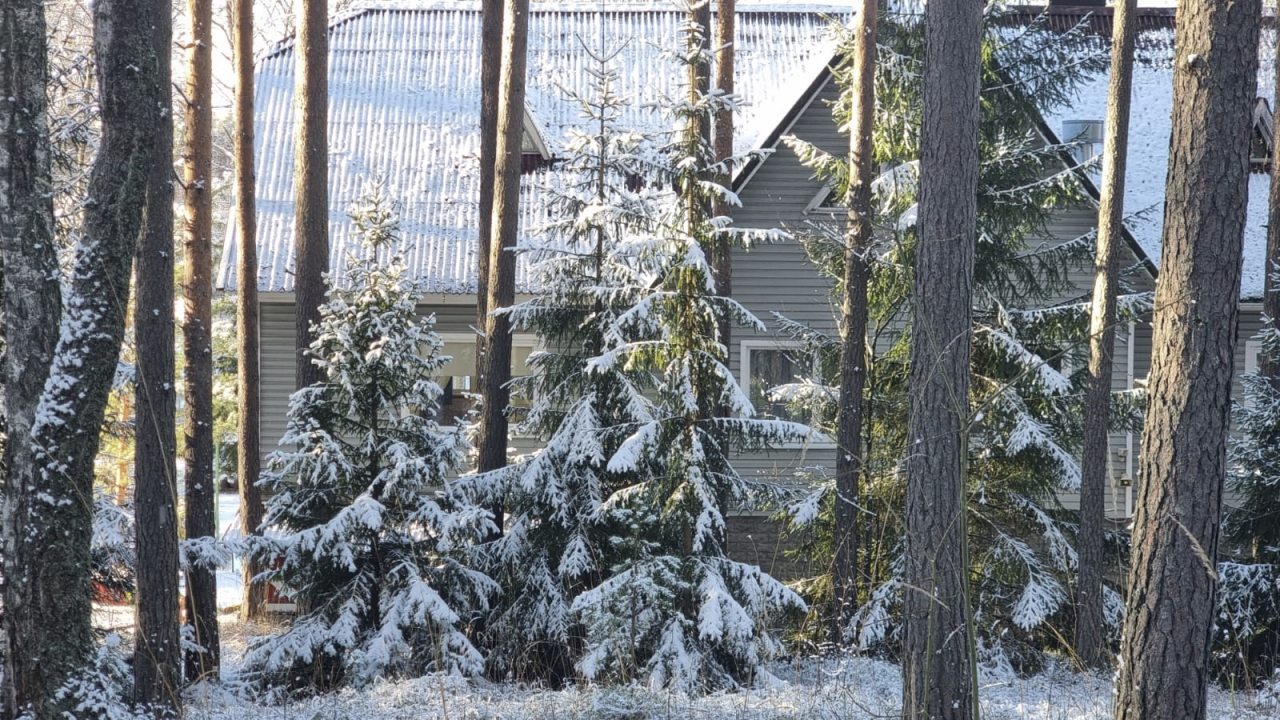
x,y
520,340
816,206
815,440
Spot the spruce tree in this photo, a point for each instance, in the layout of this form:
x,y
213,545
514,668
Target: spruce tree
x,y
365,527
563,534
678,612
1029,326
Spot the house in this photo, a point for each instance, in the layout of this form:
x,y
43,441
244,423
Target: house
x,y
403,109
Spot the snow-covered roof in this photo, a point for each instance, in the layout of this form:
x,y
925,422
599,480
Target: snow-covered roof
x,y
1149,130
404,109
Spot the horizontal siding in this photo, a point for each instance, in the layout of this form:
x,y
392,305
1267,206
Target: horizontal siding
x,y
278,365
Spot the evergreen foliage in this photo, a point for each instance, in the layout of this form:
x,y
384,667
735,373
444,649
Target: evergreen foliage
x,y
561,536
620,519
1029,331
367,533
680,613
1248,623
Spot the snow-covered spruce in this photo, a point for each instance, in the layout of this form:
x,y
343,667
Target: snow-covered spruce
x,y
365,529
1248,622
677,612
1023,433
561,537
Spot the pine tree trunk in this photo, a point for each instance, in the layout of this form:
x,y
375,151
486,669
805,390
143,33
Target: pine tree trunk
x,y
1164,656
158,660
32,309
722,259
496,363
490,68
1091,635
1268,363
938,664
197,338
853,316
310,179
53,555
249,403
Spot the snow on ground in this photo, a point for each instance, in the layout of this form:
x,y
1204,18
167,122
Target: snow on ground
x,y
846,688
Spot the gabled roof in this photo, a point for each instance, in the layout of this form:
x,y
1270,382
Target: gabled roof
x,y
404,108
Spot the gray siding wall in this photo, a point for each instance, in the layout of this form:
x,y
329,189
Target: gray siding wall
x,y
277,361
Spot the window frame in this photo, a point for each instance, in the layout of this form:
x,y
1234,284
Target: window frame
x,y
815,439
518,340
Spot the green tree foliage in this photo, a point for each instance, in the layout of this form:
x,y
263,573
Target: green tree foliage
x,y
1028,353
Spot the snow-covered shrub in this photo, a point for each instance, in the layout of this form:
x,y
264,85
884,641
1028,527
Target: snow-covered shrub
x,y
1025,421
364,528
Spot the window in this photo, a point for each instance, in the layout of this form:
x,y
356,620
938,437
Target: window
x,y
1251,350
767,365
457,377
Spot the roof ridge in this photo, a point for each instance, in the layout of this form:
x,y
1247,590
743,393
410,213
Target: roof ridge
x,y
548,6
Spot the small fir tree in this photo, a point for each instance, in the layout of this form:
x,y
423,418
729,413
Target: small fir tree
x,y
366,530
678,612
563,536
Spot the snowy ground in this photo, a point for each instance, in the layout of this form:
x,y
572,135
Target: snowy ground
x,y
847,689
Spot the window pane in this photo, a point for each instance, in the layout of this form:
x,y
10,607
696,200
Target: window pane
x,y
769,369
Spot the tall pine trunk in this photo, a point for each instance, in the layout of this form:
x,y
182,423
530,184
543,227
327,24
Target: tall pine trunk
x,y
491,49
938,664
496,364
853,320
490,69
32,309
1164,655
248,397
310,180
157,665
53,551
1090,634
201,602
1268,363
722,259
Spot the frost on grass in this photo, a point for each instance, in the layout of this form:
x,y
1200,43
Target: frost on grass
x,y
365,532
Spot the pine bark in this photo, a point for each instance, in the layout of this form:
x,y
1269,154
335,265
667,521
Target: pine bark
x,y
1164,655
496,363
853,320
1090,632
157,661
938,648
722,134
1268,363
201,601
248,398
490,69
53,626
310,180
32,309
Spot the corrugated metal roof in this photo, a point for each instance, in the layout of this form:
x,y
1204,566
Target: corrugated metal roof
x,y
404,108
